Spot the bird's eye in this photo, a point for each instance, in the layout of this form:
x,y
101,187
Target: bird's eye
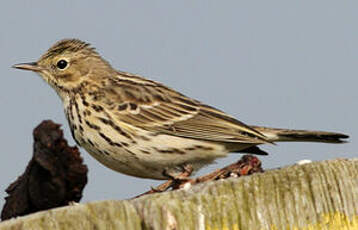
x,y
61,64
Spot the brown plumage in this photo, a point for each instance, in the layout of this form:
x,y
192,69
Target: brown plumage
x,y
141,127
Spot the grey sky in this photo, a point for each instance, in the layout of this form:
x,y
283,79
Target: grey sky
x,y
276,63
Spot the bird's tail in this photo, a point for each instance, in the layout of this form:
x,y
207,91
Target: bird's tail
x,y
274,134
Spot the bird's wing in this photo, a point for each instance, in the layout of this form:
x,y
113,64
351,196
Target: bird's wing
x,y
157,108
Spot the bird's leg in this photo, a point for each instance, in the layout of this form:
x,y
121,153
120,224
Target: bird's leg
x,y
177,180
186,171
174,181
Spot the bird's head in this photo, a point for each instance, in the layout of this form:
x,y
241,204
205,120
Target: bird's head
x,y
68,64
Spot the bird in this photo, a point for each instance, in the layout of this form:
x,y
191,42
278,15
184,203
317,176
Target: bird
x,y
143,128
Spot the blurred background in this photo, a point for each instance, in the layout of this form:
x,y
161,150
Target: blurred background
x,y
275,63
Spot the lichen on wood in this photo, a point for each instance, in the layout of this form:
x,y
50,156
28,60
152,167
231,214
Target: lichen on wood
x,y
319,195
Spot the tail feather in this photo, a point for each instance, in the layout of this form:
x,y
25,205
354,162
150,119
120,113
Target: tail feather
x,y
274,134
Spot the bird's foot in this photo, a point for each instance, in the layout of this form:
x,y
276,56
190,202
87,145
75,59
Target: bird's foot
x,y
175,180
247,165
186,171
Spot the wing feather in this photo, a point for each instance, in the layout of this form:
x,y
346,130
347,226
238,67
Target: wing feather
x,y
162,110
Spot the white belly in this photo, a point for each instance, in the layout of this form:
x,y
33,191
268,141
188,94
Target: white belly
x,y
150,158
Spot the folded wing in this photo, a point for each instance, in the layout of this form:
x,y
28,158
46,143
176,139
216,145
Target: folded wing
x,y
156,108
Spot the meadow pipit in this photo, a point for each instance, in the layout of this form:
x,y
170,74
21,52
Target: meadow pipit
x,y
141,127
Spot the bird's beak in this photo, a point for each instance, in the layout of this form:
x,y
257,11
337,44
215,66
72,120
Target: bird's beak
x,y
33,66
